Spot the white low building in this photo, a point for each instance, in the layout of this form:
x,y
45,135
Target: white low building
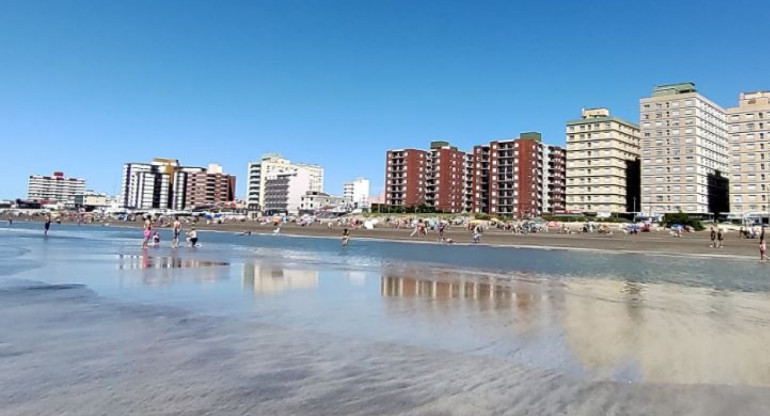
x,y
318,201
90,200
55,188
356,193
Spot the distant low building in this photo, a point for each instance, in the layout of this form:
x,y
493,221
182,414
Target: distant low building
x,y
90,200
55,188
313,202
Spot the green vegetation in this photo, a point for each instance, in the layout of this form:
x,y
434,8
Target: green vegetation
x,y
680,218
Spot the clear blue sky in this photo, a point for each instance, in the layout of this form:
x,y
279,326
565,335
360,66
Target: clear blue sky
x,y
88,85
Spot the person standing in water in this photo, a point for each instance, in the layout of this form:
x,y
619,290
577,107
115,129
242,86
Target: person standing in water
x,y
177,230
345,237
147,235
47,225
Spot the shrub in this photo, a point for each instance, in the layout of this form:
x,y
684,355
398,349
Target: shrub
x,y
680,218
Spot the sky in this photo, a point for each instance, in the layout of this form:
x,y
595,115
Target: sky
x,y
86,86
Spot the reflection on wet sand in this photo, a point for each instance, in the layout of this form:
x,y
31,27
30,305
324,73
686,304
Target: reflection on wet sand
x,y
615,330
268,279
166,270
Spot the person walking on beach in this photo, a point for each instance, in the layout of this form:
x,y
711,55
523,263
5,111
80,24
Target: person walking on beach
x,y
177,230
762,246
721,238
713,235
441,232
47,225
415,230
345,237
477,233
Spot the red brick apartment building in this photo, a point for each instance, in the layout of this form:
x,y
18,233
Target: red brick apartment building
x,y
518,177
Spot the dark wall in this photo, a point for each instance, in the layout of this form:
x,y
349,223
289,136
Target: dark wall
x,y
633,185
719,193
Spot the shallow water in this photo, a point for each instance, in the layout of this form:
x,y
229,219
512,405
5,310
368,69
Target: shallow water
x,y
375,328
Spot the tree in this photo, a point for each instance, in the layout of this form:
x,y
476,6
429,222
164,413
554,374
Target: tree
x,y
680,218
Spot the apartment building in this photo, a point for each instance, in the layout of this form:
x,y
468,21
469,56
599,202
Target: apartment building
x,y
356,193
602,163
749,129
209,187
685,152
445,183
165,184
519,177
283,192
55,188
270,166
406,177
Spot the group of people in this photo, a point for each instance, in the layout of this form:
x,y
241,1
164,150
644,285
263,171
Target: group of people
x,y
152,238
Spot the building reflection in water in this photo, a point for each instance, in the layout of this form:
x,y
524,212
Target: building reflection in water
x,y
614,329
269,279
165,270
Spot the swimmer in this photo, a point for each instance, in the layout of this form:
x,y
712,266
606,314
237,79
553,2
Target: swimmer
x,y
47,225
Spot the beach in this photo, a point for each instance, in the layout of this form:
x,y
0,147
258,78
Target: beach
x,y
298,325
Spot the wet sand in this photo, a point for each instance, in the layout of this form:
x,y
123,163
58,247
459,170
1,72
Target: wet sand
x,y
65,350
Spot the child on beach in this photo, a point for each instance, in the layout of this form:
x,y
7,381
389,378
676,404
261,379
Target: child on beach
x,y
155,239
192,237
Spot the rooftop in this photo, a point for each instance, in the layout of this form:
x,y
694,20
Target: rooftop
x,y
674,89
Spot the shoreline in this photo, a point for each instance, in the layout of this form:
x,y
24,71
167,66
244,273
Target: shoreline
x,y
657,243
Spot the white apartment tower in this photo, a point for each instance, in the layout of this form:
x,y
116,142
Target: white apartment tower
x,y
357,193
602,163
749,129
270,166
685,152
56,187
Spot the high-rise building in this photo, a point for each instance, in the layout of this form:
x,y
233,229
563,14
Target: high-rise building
x,y
602,163
685,152
444,181
435,178
55,188
164,184
209,187
357,192
269,167
405,177
519,177
284,191
749,129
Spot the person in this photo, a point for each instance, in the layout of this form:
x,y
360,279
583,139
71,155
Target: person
x,y
10,221
177,230
477,233
713,235
147,235
192,236
155,239
47,225
762,246
441,232
415,230
345,237
721,238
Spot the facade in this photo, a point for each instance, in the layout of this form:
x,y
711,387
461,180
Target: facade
x,y
357,192
405,177
210,187
602,163
284,191
520,177
435,178
685,152
444,181
90,200
165,184
56,187
270,166
314,201
749,129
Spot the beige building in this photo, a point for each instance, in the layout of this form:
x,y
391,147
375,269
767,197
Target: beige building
x,y
269,167
602,163
749,129
685,152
